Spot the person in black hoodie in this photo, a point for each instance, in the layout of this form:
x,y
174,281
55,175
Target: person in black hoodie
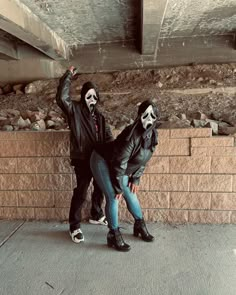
x,y
117,167
87,127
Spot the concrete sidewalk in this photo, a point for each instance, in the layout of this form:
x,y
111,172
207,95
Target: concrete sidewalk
x,y
38,258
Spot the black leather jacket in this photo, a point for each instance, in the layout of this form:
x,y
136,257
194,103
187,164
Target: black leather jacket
x,y
83,135
126,156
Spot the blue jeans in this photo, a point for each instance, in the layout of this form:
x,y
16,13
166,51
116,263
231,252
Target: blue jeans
x,y
101,174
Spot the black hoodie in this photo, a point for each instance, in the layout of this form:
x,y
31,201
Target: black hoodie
x,y
83,131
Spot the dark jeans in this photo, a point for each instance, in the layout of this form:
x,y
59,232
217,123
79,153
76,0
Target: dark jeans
x,y
83,177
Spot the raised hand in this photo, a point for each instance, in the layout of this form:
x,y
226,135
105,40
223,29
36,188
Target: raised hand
x,y
73,70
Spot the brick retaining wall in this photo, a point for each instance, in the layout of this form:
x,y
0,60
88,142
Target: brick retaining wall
x,y
191,178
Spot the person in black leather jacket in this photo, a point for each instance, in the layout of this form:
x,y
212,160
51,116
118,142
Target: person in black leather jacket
x,y
88,127
117,167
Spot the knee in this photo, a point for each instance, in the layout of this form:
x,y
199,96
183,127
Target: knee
x,y
78,193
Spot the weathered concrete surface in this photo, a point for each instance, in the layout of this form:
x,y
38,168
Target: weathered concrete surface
x,y
29,69
184,260
118,20
153,13
111,57
186,18
19,21
88,21
7,50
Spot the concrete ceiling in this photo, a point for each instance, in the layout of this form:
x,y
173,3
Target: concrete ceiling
x,y
115,34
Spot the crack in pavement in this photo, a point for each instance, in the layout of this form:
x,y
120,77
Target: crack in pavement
x,y
11,234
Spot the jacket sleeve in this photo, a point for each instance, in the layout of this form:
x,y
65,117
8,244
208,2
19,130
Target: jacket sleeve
x,y
135,178
63,93
119,164
108,134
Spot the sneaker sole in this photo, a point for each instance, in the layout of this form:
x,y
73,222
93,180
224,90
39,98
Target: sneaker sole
x,y
78,241
97,222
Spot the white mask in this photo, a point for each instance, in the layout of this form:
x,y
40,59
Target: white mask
x,y
91,99
148,117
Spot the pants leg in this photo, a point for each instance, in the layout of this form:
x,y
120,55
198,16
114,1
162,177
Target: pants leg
x,y
83,178
97,199
131,200
102,176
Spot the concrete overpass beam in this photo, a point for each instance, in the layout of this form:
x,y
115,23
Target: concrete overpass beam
x,y
8,50
153,12
18,20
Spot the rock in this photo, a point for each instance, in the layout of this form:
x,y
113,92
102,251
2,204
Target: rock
x,y
27,123
227,130
41,124
30,88
223,124
45,86
38,126
214,126
200,79
35,126
120,126
3,113
12,113
19,92
182,116
198,123
52,114
230,119
7,128
159,84
173,118
4,121
131,121
37,116
58,120
197,116
18,87
174,124
26,114
212,82
18,121
215,116
50,124
7,89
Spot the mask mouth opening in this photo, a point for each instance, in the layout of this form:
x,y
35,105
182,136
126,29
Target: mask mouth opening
x,y
148,125
92,107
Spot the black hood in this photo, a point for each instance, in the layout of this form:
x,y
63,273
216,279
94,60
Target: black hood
x,y
137,123
145,104
86,87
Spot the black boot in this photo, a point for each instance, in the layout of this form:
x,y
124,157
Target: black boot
x,y
114,238
140,228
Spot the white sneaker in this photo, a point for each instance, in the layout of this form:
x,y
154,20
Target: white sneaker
x,y
101,221
77,236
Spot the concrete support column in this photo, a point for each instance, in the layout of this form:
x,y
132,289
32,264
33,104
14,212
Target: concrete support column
x,y
153,12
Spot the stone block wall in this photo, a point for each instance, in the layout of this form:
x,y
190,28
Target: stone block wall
x,y
191,178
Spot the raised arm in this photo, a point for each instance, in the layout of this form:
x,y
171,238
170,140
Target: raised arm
x,y
63,91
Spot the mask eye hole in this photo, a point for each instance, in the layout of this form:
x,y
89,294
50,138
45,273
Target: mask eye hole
x,y
145,116
95,97
89,97
153,116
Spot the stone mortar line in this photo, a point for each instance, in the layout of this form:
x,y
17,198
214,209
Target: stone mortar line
x,y
11,234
